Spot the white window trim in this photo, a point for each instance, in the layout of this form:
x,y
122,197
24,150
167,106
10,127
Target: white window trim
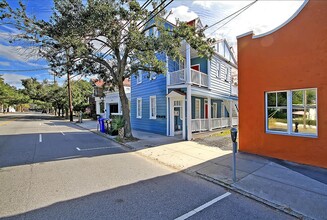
x,y
153,76
139,77
214,110
150,107
138,113
199,101
289,108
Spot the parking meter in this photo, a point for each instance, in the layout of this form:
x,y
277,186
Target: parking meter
x,y
233,133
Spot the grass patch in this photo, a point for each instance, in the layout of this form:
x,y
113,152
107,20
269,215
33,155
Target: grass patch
x,y
221,133
123,140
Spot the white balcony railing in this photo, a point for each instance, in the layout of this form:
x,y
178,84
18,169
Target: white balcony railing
x,y
200,125
203,124
199,78
179,77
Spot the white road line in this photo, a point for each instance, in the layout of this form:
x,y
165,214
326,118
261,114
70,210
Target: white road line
x,y
95,148
62,133
200,208
40,138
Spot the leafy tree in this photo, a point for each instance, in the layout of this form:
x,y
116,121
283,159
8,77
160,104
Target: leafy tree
x,y
9,95
71,35
81,90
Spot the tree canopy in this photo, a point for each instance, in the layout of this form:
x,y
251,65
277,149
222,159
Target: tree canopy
x,y
109,38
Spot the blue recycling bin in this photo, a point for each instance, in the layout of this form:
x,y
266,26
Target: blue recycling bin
x,y
102,127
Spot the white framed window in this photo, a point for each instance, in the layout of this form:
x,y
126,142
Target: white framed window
x,y
153,76
139,108
228,70
292,112
197,108
139,77
153,107
214,110
155,32
147,33
218,69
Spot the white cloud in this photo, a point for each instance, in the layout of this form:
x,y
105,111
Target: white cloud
x,y
182,13
261,17
4,63
14,79
204,4
18,53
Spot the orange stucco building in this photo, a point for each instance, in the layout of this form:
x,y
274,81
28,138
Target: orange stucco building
x,y
283,88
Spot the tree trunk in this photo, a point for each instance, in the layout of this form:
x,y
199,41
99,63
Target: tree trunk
x,y
126,110
70,103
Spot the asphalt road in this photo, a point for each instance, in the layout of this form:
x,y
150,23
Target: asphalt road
x,y
52,169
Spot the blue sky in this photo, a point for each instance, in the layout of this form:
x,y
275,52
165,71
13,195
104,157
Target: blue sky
x,y
261,17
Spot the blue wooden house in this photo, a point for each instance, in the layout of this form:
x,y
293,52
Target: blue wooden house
x,y
195,94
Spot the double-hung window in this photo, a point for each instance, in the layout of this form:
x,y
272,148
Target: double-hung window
x,y
292,112
197,108
228,70
139,77
214,110
153,107
139,108
218,69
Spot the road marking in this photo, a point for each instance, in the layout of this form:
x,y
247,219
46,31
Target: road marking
x,y
7,122
40,138
62,133
96,148
200,208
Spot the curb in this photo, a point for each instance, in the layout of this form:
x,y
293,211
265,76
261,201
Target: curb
x,y
129,148
282,208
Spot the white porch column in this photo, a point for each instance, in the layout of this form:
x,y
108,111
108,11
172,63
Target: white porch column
x,y
231,113
97,106
209,113
184,128
209,73
107,110
189,93
188,63
167,116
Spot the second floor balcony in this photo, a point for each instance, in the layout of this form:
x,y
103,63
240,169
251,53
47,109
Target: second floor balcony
x,y
180,77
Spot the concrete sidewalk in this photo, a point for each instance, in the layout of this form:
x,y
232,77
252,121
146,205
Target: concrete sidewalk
x,y
303,194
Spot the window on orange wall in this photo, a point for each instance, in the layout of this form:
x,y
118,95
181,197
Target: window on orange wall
x,y
292,112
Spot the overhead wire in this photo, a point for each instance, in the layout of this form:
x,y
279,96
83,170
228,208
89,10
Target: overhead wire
x,y
123,39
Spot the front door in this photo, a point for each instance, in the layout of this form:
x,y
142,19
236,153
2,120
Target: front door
x,y
178,123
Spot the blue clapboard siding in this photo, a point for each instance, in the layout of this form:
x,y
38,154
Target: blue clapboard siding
x,y
155,87
203,64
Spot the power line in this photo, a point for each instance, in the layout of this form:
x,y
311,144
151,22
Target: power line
x,y
106,54
237,13
27,70
244,8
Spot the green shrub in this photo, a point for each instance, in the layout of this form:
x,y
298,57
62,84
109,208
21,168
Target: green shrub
x,y
117,123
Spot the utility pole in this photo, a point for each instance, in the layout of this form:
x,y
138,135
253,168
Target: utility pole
x,y
70,103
